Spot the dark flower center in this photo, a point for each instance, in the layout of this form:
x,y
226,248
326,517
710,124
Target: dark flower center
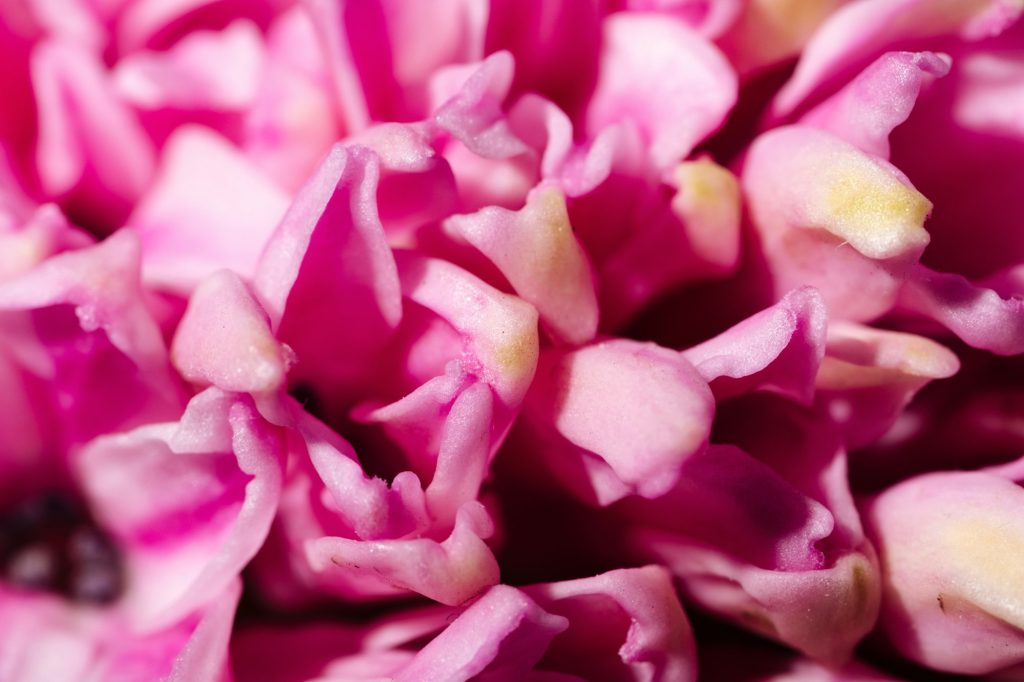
x,y
50,543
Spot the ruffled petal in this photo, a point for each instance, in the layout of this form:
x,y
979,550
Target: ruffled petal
x,y
190,502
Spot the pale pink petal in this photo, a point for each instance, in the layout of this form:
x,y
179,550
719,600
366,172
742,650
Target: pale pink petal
x,y
206,70
498,331
367,506
767,32
617,418
823,613
710,18
473,114
450,571
207,209
224,339
976,314
950,545
26,243
831,216
778,349
673,85
417,186
869,376
536,250
880,98
504,633
293,121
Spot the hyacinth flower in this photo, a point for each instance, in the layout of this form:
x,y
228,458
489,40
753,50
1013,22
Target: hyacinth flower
x,y
459,374
621,625
389,303
121,542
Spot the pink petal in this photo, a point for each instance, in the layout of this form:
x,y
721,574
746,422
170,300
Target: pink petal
x,y
450,571
778,349
224,339
43,233
555,44
329,258
206,70
293,121
976,314
833,217
869,376
95,341
498,331
949,544
190,502
694,238
632,412
880,98
658,643
536,250
675,87
88,138
207,209
473,114
789,606
857,32
504,633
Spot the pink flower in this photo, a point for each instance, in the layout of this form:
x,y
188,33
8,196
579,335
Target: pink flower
x,y
415,329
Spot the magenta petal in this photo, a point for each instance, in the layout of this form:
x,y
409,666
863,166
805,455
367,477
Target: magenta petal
x,y
189,502
778,349
673,85
880,98
327,278
658,644
85,310
207,209
696,237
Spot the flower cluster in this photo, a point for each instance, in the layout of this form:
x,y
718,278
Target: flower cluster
x,y
352,340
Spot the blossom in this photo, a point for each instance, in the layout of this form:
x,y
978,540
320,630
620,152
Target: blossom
x,y
510,340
